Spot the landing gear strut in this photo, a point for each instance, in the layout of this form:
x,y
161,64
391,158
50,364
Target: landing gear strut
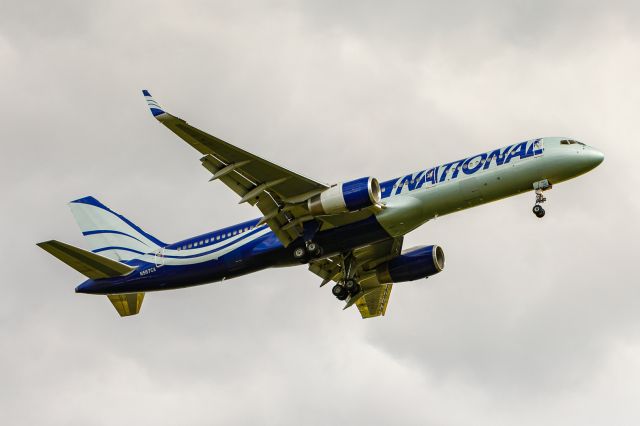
x,y
539,187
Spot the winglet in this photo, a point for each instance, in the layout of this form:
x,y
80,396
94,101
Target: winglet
x,y
154,106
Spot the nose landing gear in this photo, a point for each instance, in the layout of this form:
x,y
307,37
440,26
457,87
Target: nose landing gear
x,y
538,211
539,187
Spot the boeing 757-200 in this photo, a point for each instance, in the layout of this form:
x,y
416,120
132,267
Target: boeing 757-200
x,y
350,233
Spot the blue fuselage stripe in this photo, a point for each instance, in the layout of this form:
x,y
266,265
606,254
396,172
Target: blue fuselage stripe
x,y
190,256
251,255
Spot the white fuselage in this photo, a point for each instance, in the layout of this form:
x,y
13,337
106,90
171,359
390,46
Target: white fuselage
x,y
481,179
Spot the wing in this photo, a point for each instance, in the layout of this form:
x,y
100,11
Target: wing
x,y
374,295
278,193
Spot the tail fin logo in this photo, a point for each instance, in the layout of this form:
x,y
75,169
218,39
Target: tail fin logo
x,y
111,234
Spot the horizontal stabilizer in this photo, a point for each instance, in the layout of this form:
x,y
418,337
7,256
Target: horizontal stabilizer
x,y
127,304
89,264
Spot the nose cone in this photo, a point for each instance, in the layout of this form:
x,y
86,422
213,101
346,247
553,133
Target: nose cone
x,y
592,158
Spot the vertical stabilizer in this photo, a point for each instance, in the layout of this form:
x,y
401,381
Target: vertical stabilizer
x,y
111,234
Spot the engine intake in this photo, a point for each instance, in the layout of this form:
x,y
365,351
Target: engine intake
x,y
413,264
346,197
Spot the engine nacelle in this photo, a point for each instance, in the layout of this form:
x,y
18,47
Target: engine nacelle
x,y
415,263
346,197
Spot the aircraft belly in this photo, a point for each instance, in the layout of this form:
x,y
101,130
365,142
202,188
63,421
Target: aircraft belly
x,y
402,214
347,237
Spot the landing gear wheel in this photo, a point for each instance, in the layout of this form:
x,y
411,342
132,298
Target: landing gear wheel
x,y
340,292
356,290
314,249
350,284
300,254
538,211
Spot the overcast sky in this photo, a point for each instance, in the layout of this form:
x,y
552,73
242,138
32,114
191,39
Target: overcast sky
x,y
532,322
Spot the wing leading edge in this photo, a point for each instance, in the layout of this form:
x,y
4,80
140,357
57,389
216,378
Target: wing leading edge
x,y
278,193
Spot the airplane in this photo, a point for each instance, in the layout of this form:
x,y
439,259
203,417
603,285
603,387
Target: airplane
x,y
350,233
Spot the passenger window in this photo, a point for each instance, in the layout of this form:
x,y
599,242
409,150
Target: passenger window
x,y
235,232
228,234
217,237
190,245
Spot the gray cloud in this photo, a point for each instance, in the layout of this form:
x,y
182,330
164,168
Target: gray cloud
x,y
532,322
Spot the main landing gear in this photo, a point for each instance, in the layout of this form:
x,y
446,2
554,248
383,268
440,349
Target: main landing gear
x,y
539,187
309,251
349,285
346,288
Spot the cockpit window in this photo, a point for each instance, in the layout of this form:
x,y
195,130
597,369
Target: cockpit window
x,y
570,142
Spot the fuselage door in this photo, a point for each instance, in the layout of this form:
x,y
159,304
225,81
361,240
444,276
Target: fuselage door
x,y
159,257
